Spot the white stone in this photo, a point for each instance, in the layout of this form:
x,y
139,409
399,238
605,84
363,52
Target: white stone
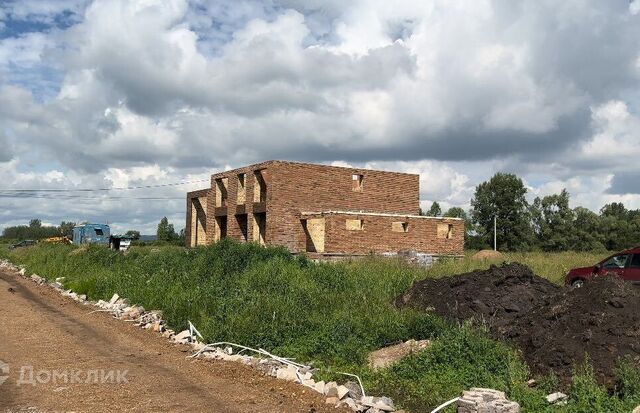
x,y
38,279
320,386
114,298
367,401
197,346
123,302
288,373
329,386
132,313
556,397
182,336
342,392
385,404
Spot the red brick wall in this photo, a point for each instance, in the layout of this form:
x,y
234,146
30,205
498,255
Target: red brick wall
x,y
377,236
187,229
248,208
299,188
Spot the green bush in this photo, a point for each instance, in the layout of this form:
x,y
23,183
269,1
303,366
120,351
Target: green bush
x,y
462,357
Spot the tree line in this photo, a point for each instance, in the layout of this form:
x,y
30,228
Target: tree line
x,y
547,224
35,230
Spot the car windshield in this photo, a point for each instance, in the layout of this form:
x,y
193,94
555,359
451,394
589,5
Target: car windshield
x,y
619,261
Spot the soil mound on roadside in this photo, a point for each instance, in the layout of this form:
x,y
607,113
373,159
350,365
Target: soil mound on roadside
x,y
496,295
601,319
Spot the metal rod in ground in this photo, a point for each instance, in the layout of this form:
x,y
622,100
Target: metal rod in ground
x,y
359,381
445,404
193,329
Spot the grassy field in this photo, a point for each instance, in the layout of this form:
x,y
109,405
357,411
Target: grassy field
x,y
552,266
331,315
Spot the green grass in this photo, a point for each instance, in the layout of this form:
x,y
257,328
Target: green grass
x,y
552,266
331,315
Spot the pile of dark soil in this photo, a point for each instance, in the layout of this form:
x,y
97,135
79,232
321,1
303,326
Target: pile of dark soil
x,y
601,319
495,296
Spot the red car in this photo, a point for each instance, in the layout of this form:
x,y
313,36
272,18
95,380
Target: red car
x,y
625,264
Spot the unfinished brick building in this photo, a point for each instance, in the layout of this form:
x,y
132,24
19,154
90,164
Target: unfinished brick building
x,y
319,209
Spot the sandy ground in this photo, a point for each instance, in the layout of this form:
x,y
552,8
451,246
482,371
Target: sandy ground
x,y
54,335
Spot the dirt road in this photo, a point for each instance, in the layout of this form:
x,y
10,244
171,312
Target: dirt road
x,y
128,369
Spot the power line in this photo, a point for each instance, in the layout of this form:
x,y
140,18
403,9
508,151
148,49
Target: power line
x,y
80,197
104,189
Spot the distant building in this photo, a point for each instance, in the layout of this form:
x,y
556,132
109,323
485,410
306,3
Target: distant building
x,y
319,209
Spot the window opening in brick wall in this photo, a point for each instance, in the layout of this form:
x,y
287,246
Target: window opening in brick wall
x,y
242,190
259,187
314,234
221,228
400,226
445,231
243,225
221,192
354,225
260,227
357,182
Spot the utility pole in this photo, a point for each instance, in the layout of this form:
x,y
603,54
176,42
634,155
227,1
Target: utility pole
x,y
495,233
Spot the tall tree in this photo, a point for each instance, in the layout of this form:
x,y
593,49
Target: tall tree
x,y
588,233
66,228
457,212
503,196
553,222
615,226
614,209
435,210
165,232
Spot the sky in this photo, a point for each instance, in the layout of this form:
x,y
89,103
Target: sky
x,y
127,93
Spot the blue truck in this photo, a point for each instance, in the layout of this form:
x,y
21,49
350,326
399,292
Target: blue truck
x,y
91,234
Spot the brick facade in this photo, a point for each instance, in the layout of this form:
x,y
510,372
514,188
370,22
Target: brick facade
x,y
379,233
285,203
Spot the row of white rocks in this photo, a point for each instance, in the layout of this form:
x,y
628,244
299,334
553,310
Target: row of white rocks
x,y
348,394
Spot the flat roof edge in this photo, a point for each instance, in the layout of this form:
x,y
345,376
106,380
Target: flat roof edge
x,y
380,214
265,164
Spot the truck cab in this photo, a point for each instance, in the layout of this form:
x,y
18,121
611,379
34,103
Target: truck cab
x,y
91,234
